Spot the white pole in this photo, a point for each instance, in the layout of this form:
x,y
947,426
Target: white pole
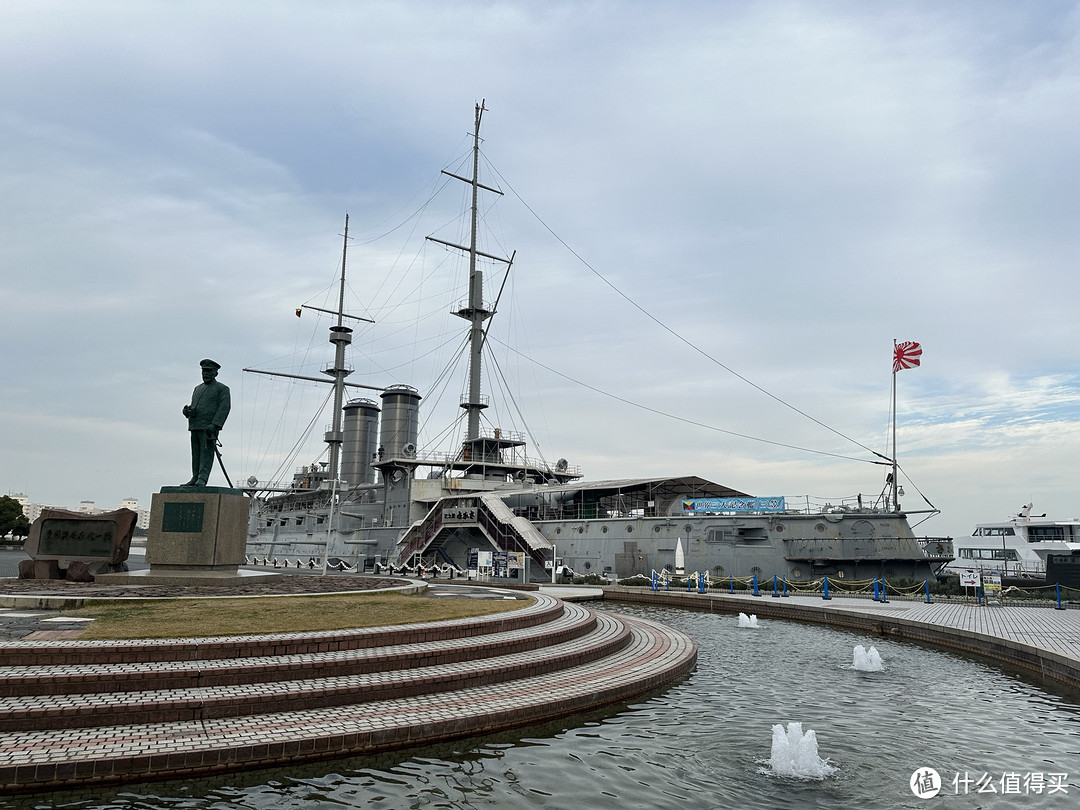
x,y
329,526
553,559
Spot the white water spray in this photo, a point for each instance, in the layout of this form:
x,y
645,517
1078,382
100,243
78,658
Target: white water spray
x,y
795,754
866,660
748,621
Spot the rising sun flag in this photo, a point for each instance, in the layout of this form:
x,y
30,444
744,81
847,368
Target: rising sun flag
x,y
906,355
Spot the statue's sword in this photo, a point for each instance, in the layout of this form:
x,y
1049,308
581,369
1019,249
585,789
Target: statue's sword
x,y
221,463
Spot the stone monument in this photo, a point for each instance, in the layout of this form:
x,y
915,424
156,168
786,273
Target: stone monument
x,y
77,546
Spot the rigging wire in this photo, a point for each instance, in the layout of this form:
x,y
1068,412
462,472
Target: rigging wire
x,y
685,420
682,339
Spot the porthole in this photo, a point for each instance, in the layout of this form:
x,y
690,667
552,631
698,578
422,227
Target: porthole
x,y
820,528
581,530
839,574
603,529
588,566
558,530
718,570
779,527
755,571
796,573
629,529
656,528
688,528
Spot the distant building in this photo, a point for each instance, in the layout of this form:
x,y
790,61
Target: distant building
x,y
32,511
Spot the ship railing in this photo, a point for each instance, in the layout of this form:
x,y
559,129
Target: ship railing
x,y
420,534
509,459
510,532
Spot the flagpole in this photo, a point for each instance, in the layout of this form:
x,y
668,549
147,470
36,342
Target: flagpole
x,y
896,506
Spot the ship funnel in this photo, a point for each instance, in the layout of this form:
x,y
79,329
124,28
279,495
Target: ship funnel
x,y
400,422
361,429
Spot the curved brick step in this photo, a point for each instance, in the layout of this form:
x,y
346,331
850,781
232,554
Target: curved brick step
x,y
615,661
566,624
541,610
50,711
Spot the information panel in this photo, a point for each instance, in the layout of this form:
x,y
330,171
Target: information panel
x,y
700,505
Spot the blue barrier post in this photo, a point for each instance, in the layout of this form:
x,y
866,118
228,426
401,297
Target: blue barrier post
x,y
927,583
755,586
1057,585
701,584
775,591
876,597
655,585
731,583
826,596
785,586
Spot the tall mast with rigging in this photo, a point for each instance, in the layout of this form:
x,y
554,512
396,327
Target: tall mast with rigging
x,y
475,311
340,337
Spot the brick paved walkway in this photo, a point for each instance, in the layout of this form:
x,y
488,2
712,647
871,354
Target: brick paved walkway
x,y
78,713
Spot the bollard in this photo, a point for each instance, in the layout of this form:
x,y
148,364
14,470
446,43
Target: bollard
x,y
655,585
701,584
927,583
755,586
826,596
775,591
690,584
731,583
1058,587
785,587
884,596
876,597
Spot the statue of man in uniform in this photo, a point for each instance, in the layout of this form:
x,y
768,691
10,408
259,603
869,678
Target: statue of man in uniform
x,y
206,415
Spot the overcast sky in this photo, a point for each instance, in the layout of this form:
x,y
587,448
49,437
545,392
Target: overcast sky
x,y
773,189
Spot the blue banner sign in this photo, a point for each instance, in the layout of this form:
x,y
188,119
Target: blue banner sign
x,y
734,505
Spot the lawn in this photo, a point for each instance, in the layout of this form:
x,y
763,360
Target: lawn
x,y
185,618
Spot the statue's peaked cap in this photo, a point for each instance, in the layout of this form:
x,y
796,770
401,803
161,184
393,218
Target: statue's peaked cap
x,y
209,364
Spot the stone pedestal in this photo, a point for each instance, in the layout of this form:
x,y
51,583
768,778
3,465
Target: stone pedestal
x,y
197,537
197,530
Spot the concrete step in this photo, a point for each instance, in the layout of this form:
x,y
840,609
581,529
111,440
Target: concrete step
x,y
582,660
380,682
340,658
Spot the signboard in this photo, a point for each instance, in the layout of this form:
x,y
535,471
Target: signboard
x,y
992,586
77,538
182,517
971,579
699,505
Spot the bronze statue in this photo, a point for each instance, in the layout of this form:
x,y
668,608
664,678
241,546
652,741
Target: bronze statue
x,y
206,415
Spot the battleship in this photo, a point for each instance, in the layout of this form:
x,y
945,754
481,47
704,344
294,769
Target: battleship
x,y
485,508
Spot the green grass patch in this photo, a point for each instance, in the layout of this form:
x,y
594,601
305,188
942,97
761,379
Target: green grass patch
x,y
186,618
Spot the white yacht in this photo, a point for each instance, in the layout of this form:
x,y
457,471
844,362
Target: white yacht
x,y
1016,547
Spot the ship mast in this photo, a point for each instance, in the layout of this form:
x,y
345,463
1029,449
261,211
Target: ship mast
x,y
340,337
475,311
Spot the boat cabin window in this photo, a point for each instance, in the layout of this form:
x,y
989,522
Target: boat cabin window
x,y
1042,534
1007,554
994,531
